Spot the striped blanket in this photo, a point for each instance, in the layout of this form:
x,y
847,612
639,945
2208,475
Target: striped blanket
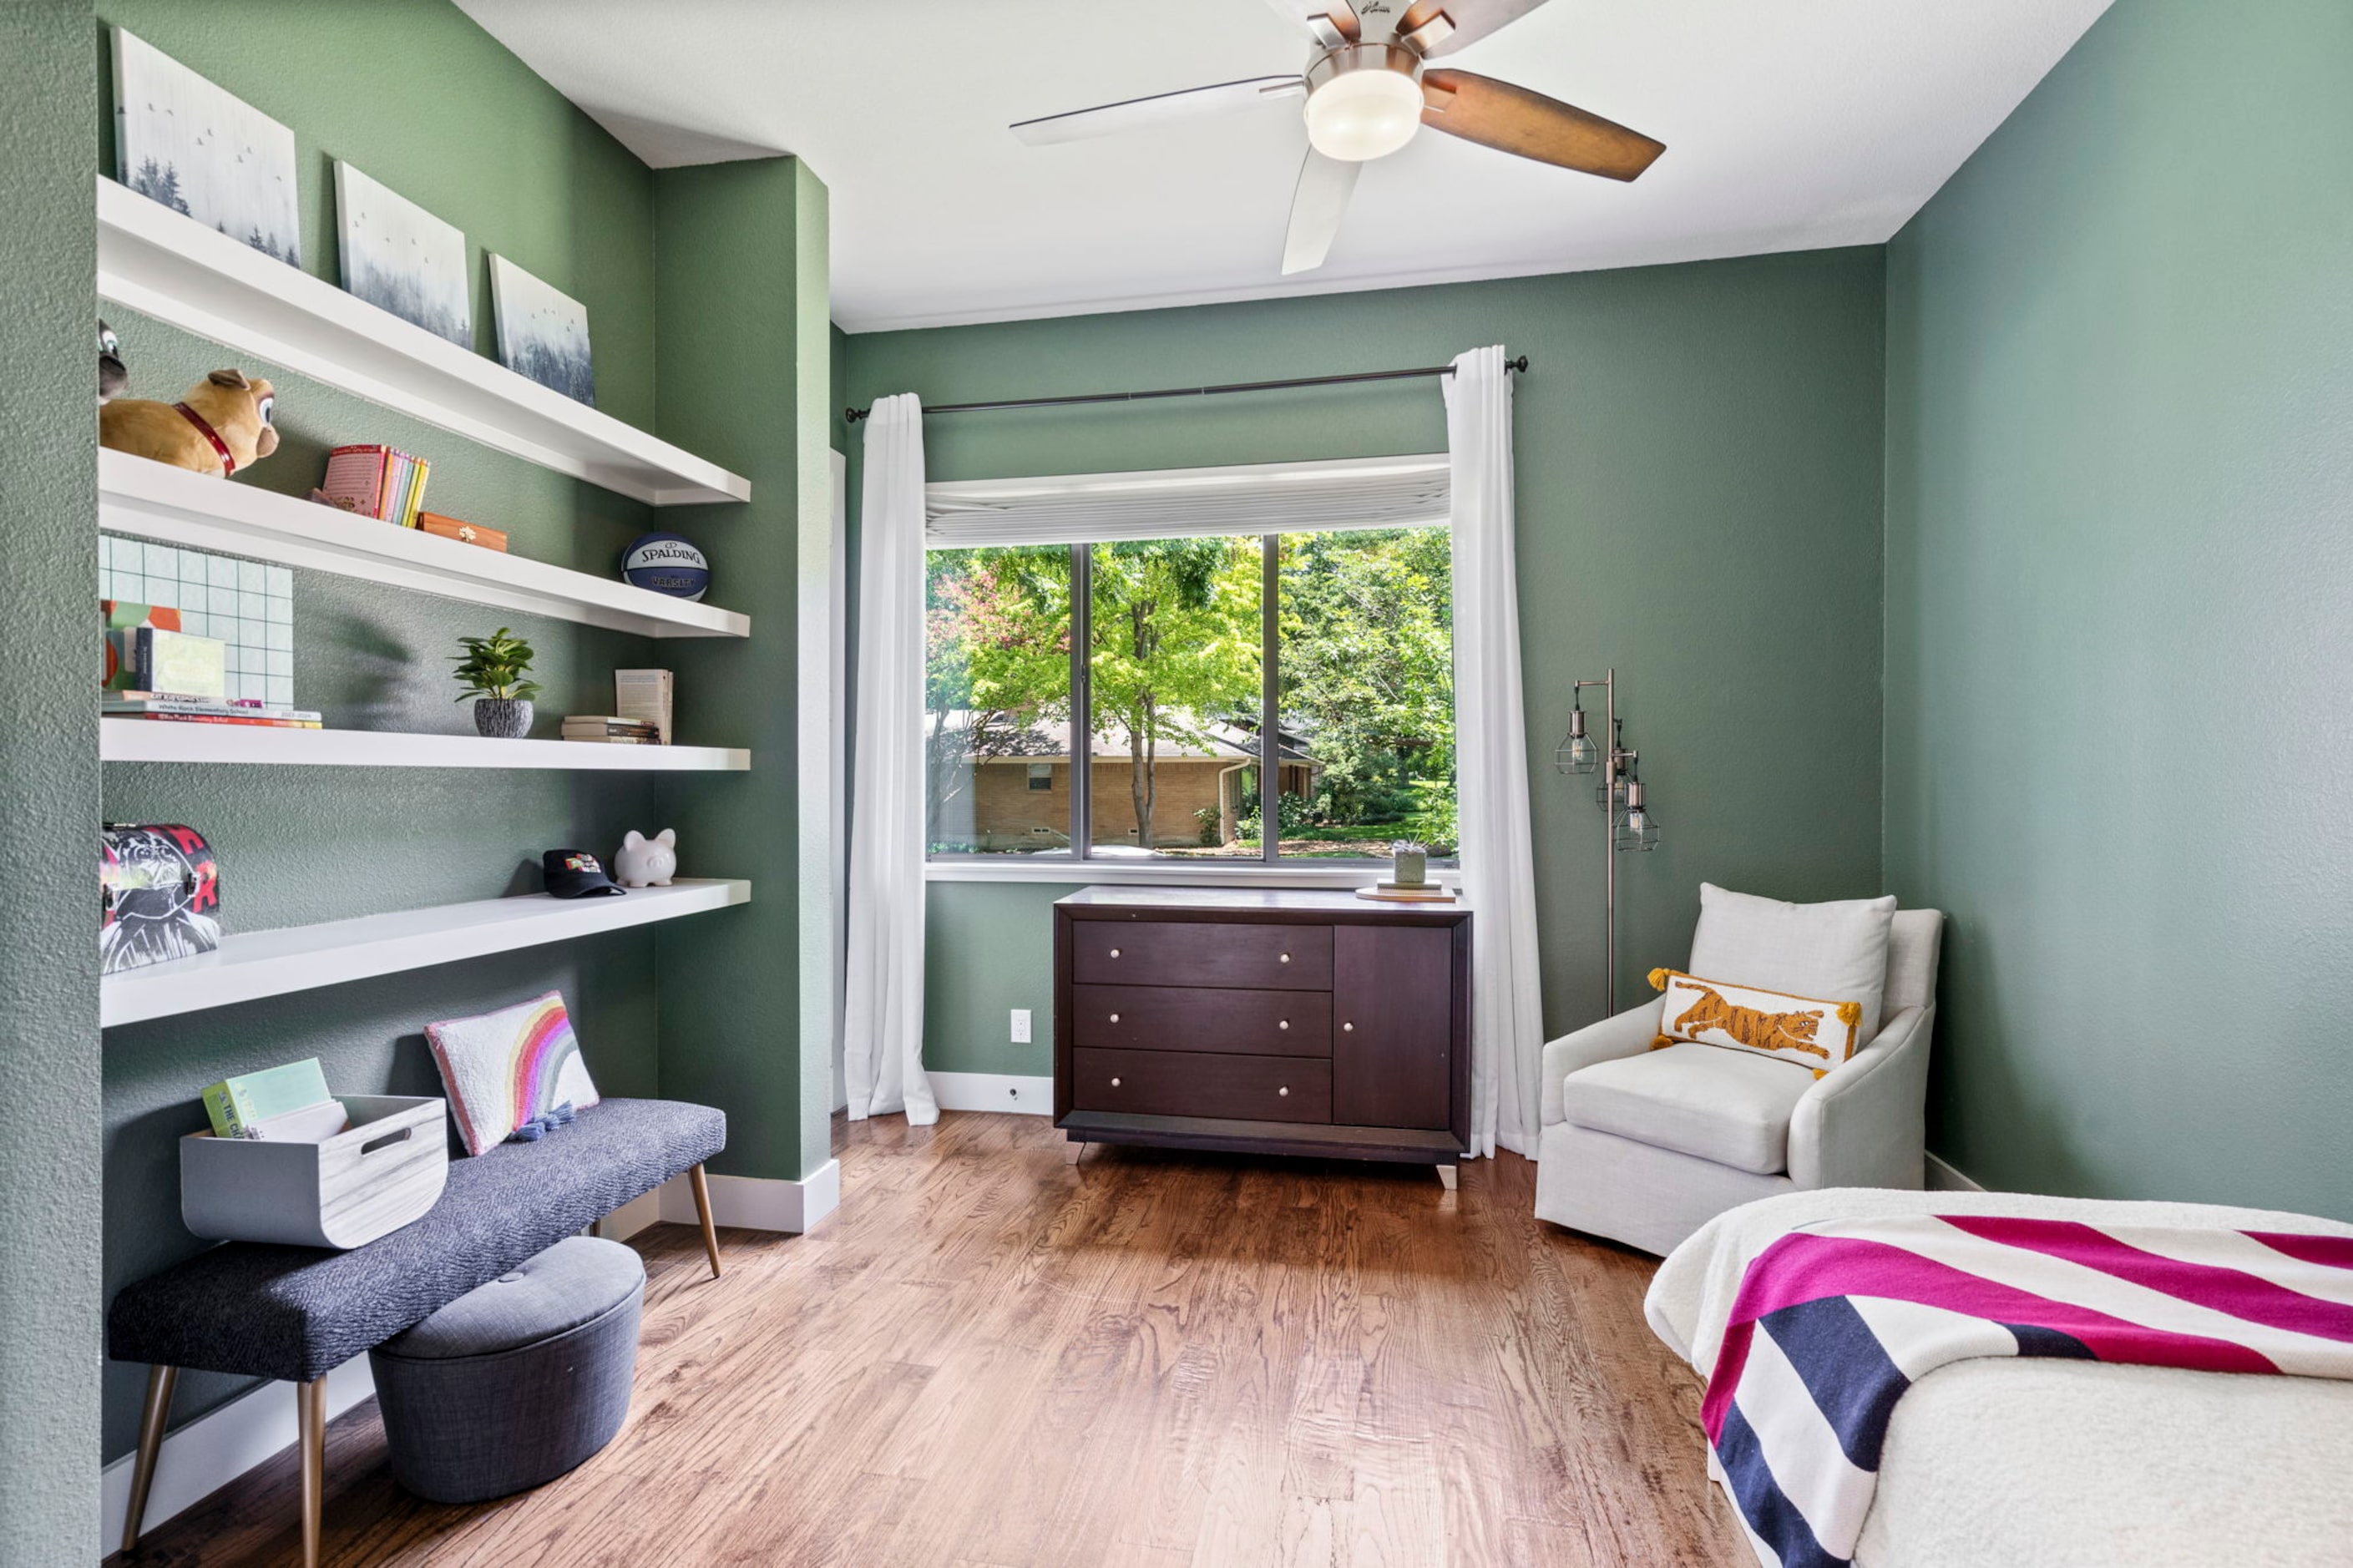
x,y
1833,1324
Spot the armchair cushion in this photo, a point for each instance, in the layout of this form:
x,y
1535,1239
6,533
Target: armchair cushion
x,y
1837,950
1726,1106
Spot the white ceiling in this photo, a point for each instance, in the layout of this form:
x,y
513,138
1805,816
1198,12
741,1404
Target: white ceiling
x,y
1790,124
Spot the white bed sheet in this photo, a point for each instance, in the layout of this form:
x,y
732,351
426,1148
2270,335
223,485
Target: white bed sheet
x,y
2022,1464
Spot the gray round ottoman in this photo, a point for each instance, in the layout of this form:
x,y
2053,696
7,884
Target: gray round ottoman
x,y
516,1383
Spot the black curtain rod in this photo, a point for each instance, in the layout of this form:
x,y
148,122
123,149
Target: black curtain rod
x,y
855,415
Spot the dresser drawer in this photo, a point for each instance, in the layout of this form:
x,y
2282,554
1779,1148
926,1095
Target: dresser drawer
x,y
1203,1083
1201,1018
1246,955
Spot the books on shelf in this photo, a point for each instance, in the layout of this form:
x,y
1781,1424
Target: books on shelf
x,y
646,696
382,482
172,708
146,650
610,728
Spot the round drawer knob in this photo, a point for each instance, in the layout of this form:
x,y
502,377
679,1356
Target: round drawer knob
x,y
1286,958
1347,1029
1114,1083
1114,1017
1283,1024
1284,1089
1114,952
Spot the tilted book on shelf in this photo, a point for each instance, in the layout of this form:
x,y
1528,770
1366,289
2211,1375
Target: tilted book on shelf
x,y
646,695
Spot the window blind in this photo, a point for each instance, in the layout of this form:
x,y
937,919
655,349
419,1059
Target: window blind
x,y
1324,495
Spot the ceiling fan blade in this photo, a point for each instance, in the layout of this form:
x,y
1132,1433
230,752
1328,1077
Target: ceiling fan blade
x,y
1161,107
1528,124
1325,186
1330,23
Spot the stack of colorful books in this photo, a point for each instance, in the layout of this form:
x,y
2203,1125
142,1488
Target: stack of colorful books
x,y
611,729
172,708
147,651
382,482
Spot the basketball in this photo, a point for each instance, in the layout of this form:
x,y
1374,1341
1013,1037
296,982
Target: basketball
x,y
667,565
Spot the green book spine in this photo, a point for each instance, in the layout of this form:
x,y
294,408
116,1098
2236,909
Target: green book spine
x,y
237,1105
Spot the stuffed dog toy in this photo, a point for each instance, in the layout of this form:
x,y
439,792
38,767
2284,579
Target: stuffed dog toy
x,y
113,377
222,425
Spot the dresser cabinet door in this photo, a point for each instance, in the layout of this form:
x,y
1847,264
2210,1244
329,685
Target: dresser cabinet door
x,y
1392,1025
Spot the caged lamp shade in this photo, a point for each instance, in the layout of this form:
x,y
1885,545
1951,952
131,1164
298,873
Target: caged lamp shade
x,y
1578,753
1636,826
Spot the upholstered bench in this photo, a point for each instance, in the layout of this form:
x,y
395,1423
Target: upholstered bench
x,y
296,1312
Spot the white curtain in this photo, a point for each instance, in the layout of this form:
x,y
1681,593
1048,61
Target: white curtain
x,y
883,1013
1491,762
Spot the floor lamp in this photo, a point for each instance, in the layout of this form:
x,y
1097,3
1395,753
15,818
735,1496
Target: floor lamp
x,y
1632,825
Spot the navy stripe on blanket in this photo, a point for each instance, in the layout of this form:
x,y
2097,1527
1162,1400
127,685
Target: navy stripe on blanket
x,y
2035,1342
1844,1368
1767,1510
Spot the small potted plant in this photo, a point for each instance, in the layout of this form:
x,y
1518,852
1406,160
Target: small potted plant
x,y
494,672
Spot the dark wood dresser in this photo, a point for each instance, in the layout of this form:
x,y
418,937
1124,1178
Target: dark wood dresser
x,y
1264,1021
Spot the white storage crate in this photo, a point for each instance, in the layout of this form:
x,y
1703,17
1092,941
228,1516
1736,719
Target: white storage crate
x,y
385,1169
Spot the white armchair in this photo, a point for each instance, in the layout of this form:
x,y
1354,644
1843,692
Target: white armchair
x,y
1645,1147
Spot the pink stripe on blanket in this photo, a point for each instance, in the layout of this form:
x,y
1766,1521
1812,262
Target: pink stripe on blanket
x,y
2328,1251
2231,1290
1802,1268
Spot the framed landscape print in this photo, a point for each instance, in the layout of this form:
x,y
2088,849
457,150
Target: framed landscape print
x,y
180,141
398,256
543,332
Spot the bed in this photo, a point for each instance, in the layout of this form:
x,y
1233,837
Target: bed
x,y
2022,1463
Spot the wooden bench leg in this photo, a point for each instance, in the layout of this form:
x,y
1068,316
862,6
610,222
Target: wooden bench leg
x,y
160,1382
703,1210
311,1419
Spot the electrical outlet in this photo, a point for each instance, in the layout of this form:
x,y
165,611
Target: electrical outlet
x,y
1020,1025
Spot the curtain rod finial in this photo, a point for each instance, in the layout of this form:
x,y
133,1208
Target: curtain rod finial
x,y
852,415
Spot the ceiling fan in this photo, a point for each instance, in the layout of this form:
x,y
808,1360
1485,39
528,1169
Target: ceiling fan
x,y
1368,91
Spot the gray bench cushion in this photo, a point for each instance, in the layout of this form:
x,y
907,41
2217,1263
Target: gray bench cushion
x,y
296,1312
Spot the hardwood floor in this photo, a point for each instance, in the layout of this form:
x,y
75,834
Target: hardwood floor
x,y
991,1359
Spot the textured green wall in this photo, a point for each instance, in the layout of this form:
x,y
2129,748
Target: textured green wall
x,y
49,1187
745,372
2120,580
476,138
1699,466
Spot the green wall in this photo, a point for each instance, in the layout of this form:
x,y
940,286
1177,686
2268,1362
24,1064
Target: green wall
x,y
1699,466
746,364
2120,580
50,1188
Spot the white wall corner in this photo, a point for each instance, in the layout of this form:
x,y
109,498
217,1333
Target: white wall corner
x,y
993,1091
1944,1177
216,1447
759,1203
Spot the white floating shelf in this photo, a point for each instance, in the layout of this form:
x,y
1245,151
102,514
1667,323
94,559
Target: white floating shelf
x,y
301,958
156,501
176,269
158,741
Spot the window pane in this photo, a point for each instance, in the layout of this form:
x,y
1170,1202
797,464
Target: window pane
x,y
1174,669
997,700
1366,662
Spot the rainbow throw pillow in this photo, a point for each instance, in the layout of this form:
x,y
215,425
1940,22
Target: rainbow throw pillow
x,y
512,1074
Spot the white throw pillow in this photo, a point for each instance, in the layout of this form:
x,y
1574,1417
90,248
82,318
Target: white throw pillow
x,y
1837,950
1813,1031
514,1073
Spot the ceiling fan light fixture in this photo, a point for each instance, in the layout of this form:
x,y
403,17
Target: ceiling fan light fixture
x,y
1364,101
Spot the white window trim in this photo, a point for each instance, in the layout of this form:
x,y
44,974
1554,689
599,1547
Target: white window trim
x,y
1171,873
1405,492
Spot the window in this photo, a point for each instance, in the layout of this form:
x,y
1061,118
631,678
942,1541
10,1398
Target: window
x,y
1224,697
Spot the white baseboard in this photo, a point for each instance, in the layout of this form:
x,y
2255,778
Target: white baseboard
x,y
746,1203
632,1216
216,1447
993,1091
1944,1177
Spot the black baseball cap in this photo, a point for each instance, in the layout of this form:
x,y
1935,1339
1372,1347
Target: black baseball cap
x,y
576,874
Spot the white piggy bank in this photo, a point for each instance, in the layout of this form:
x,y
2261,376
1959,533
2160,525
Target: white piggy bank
x,y
646,862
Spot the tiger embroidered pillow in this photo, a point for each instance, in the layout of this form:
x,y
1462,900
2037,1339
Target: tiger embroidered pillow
x,y
516,1074
1802,1030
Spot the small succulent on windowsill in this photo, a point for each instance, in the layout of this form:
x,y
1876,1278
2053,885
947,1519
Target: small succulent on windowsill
x,y
492,672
